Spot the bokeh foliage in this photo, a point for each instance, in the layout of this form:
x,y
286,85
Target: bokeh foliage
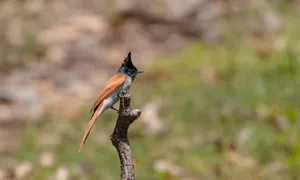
x,y
238,97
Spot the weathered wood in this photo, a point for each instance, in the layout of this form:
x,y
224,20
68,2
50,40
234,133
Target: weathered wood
x,y
119,137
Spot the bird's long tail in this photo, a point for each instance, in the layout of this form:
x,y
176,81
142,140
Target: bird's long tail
x,y
90,125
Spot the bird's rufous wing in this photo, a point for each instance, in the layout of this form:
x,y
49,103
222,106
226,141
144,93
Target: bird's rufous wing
x,y
110,86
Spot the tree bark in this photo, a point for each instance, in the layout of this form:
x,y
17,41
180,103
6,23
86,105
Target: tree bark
x,y
119,138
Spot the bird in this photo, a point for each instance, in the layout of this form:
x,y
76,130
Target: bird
x,y
109,96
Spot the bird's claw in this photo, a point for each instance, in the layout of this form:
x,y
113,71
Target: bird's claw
x,y
115,109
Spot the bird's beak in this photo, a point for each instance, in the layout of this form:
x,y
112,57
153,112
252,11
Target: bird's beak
x,y
140,71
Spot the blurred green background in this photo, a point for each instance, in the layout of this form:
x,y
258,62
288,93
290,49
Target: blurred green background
x,y
219,94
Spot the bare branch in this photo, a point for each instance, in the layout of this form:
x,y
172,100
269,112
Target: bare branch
x,y
119,138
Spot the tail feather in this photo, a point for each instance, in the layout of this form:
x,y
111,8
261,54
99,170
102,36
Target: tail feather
x,y
90,125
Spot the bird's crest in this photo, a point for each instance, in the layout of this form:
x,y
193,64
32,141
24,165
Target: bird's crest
x,y
128,63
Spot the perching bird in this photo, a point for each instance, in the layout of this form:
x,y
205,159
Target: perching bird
x,y
122,80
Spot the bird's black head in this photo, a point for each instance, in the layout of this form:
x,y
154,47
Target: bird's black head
x,y
128,68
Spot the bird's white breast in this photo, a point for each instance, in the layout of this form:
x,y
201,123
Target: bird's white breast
x,y
114,97
127,83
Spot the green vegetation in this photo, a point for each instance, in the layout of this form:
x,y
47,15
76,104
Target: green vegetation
x,y
231,112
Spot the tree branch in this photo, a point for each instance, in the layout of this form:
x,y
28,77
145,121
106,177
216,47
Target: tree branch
x,y
119,139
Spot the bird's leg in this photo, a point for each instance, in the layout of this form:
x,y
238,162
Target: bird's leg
x,y
114,109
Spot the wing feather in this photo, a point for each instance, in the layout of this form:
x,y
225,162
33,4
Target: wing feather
x,y
111,85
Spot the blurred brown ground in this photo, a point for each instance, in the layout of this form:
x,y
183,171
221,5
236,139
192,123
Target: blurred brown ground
x,y
59,53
